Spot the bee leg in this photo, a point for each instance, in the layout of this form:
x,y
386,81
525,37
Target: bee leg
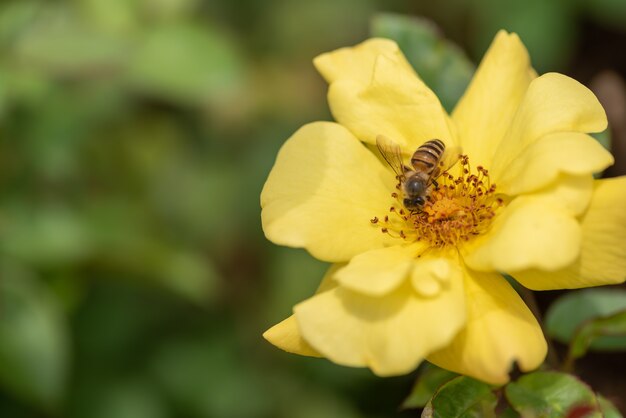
x,y
436,184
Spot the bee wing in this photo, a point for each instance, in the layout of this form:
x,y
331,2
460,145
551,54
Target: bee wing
x,y
450,157
392,153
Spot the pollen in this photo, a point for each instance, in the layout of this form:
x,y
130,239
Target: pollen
x,y
458,209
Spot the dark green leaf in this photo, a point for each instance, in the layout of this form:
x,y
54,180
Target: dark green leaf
x,y
429,380
441,64
570,311
462,397
613,325
550,395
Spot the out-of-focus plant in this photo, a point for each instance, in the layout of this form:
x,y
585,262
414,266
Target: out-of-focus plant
x,y
130,154
550,29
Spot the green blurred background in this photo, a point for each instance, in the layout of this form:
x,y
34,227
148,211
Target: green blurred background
x,y
135,137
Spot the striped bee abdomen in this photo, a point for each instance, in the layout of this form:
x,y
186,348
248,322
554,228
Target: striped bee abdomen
x,y
426,158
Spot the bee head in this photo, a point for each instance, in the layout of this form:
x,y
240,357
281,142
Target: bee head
x,y
415,193
414,203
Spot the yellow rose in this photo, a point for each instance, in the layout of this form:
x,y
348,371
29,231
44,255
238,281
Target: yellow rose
x,y
427,284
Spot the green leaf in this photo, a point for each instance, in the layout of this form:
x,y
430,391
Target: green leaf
x,y
191,276
33,340
604,138
48,235
58,42
440,63
551,395
608,409
614,325
429,380
567,313
187,64
462,397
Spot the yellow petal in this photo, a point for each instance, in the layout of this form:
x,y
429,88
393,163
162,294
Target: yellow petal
x,y
378,272
432,273
486,110
328,281
500,330
530,232
603,254
553,103
357,63
541,162
389,334
322,192
604,229
396,104
286,336
572,192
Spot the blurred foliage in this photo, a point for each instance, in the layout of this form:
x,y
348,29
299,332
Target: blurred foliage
x,y
590,319
35,346
577,311
550,29
135,138
613,325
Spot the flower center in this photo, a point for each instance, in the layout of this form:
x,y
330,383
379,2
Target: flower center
x,y
456,210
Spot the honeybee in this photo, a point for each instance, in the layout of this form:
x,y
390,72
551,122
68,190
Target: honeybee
x,y
427,162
